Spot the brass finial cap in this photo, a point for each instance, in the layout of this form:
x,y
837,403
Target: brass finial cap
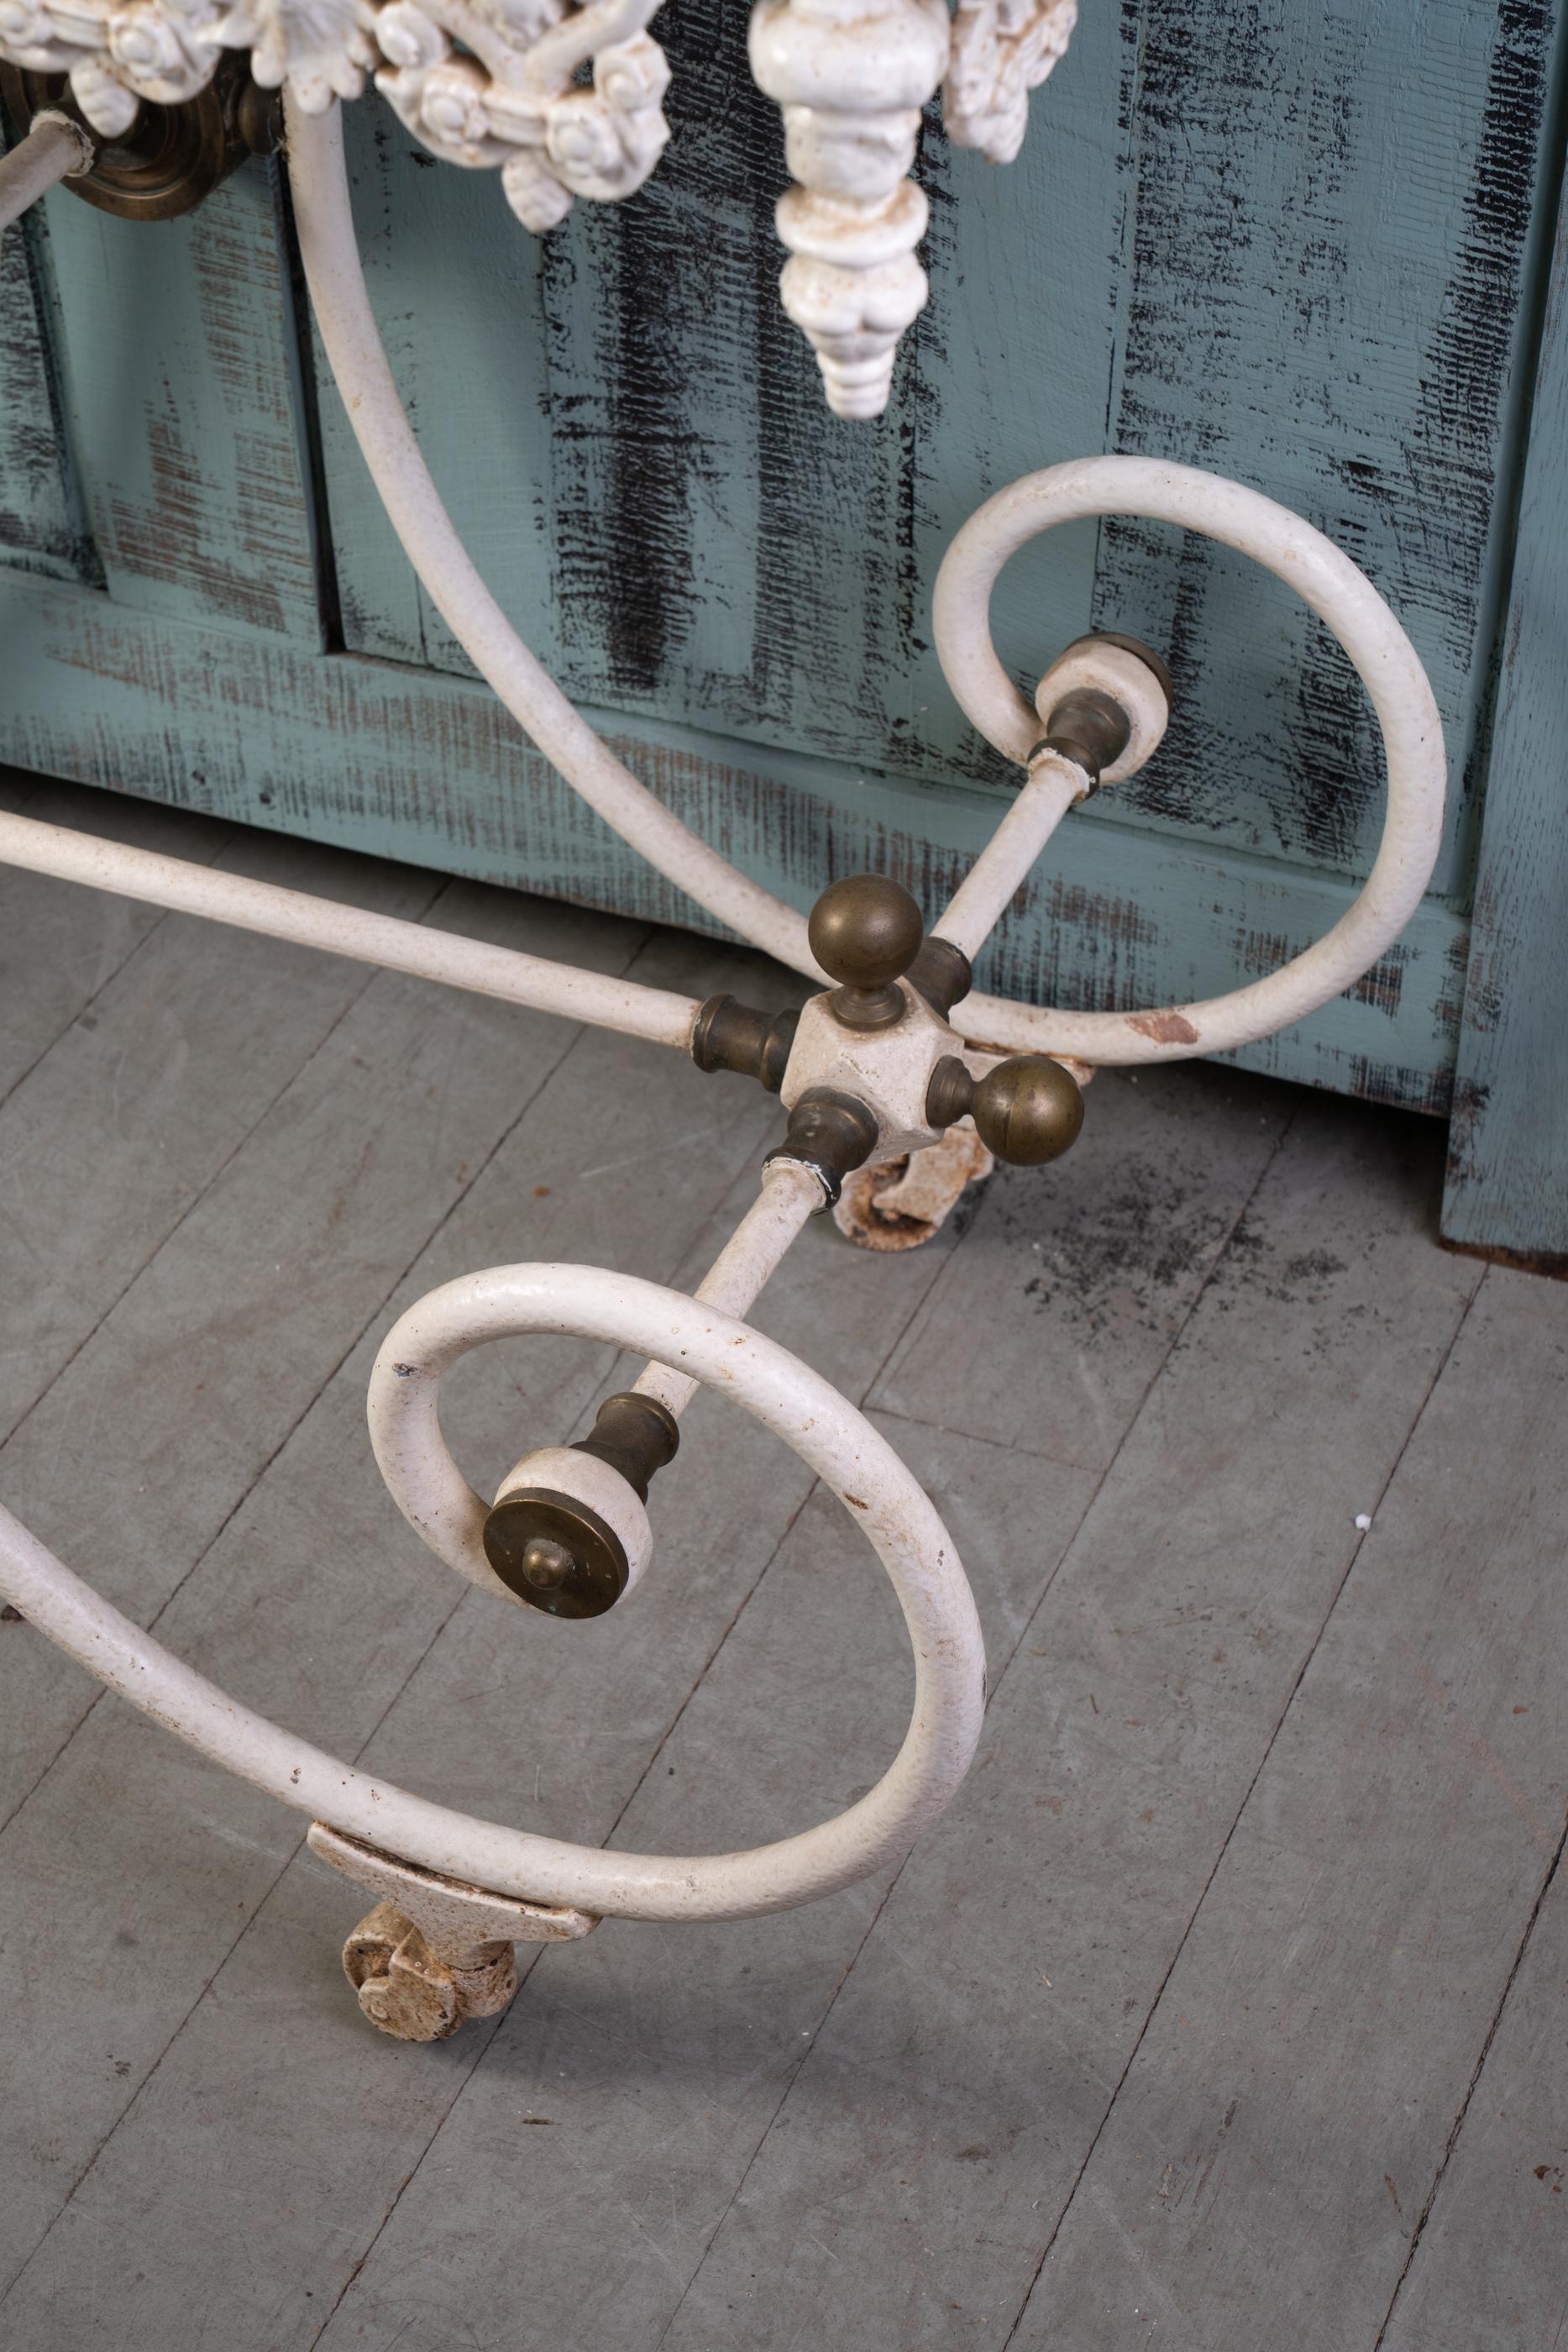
x,y
555,1553
865,932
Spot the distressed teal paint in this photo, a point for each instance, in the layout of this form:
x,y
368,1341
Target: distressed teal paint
x,y
1297,242
1331,235
41,524
411,764
179,398
1290,243
1507,1161
455,284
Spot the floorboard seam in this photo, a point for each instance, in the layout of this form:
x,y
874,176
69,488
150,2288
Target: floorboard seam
x,y
440,893
109,977
1132,1421
86,1006
631,1798
328,1377
194,1203
1300,1676
189,1210
1457,2130
268,1892
572,1040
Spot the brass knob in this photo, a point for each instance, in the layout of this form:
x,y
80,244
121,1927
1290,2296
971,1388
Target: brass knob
x,y
555,1553
1028,1111
865,932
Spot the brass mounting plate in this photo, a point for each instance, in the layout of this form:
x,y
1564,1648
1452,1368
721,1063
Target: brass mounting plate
x,y
172,156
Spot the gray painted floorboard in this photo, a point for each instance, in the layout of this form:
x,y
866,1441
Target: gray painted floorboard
x,y
1247,1903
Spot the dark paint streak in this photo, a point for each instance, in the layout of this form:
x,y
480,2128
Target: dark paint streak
x,y
1241,305
164,541
37,523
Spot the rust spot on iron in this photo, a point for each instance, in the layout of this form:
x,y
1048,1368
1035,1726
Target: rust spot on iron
x,y
1165,1028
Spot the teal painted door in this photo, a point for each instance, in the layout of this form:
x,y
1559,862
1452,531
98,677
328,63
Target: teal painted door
x,y
1302,242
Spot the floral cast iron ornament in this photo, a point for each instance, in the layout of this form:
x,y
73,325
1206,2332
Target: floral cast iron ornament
x,y
563,97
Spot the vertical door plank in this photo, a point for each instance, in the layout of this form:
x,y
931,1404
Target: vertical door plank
x,y
40,522
1333,240
633,439
453,282
181,399
1509,1142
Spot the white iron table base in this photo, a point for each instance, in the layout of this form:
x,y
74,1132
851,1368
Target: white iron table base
x,y
899,1083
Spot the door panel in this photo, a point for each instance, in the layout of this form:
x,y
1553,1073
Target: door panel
x,y
177,366
1290,243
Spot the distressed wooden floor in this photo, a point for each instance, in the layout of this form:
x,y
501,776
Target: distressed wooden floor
x,y
1225,2005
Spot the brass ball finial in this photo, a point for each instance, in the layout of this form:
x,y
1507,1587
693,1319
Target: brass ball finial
x,y
865,932
1028,1111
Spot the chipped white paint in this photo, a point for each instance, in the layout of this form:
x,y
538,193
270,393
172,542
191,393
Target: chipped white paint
x,y
434,1951
1001,50
488,84
54,149
1331,584
168,50
497,86
982,899
565,99
789,1195
889,1070
412,1968
1343,598
1100,666
604,1002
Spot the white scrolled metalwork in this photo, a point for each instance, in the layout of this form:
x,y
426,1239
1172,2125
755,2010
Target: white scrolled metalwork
x,y
492,84
599,998
54,147
701,1339
1328,582
1001,50
879,1493
1343,598
488,84
851,77
565,99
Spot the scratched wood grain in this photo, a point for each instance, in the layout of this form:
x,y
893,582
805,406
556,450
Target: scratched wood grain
x,y
1289,2111
94,1220
41,526
1508,1138
905,2187
176,360
1299,248
1333,236
1489,2266
567,1728
471,1125
60,946
641,450
386,759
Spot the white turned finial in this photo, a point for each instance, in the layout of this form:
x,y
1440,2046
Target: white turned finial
x,y
852,76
